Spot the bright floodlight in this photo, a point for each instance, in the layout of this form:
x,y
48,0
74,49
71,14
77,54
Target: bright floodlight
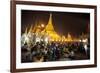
x,y
42,25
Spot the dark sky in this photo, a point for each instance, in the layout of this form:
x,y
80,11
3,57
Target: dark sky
x,y
63,22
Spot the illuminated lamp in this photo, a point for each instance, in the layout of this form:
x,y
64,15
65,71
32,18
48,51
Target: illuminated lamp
x,y
37,39
46,39
80,40
84,40
26,39
42,25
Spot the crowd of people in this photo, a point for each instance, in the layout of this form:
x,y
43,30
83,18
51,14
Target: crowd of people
x,y
54,51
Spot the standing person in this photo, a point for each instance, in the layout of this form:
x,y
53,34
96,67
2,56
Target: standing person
x,y
57,53
49,54
88,51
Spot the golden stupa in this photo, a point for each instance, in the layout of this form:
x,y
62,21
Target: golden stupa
x,y
49,30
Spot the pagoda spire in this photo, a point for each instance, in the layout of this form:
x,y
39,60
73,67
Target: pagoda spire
x,y
35,27
30,30
26,31
50,19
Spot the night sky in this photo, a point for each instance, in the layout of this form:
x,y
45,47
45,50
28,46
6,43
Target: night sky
x,y
63,22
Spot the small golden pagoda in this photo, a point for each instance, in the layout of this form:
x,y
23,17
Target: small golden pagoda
x,y
69,38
